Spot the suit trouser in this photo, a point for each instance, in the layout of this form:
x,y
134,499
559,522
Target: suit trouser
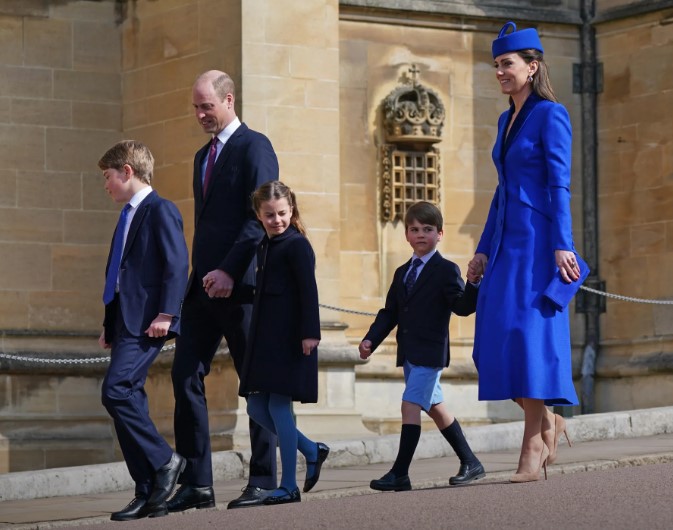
x,y
123,395
204,321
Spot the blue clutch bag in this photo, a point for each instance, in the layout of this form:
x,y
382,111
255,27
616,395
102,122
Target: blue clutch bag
x,y
559,293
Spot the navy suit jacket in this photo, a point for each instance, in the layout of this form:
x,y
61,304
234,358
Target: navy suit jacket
x,y
422,316
226,229
154,267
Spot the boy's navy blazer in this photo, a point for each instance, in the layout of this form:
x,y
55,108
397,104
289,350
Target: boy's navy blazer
x,y
226,229
154,266
422,316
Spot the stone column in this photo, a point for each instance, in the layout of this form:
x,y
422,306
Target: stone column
x,y
290,91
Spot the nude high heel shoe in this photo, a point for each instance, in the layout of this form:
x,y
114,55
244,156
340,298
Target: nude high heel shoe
x,y
535,475
559,429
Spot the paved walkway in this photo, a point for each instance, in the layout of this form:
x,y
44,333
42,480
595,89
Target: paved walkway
x,y
601,441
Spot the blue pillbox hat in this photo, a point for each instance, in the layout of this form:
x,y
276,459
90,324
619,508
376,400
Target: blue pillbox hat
x,y
524,39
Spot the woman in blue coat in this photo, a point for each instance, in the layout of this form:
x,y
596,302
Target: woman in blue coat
x,y
522,342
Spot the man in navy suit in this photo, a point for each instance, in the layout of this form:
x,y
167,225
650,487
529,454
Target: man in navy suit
x,y
218,301
146,276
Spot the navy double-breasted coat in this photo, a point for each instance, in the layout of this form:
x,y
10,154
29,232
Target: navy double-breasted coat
x,y
285,311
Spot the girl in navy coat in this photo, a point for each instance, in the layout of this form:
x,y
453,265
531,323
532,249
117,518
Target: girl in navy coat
x,y
281,362
522,342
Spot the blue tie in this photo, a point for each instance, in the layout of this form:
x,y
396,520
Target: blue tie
x,y
411,276
116,258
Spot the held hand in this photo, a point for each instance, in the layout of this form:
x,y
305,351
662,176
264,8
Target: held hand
x,y
218,284
476,267
159,326
308,345
101,341
567,265
472,277
365,349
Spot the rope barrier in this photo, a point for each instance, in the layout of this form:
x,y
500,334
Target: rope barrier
x,y
42,360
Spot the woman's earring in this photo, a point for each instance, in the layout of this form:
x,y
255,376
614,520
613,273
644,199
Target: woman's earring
x,y
530,78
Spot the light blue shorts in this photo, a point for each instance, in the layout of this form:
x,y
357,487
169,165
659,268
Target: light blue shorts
x,y
422,385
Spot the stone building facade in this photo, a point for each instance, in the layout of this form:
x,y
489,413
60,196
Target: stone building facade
x,y
78,75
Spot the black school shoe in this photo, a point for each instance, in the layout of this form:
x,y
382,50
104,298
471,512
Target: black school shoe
x,y
389,482
290,496
468,473
311,481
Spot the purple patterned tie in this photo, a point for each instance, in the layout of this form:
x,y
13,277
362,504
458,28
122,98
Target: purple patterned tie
x,y
212,155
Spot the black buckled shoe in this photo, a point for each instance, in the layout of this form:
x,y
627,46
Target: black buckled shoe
x,y
390,482
311,481
251,496
289,496
468,473
188,497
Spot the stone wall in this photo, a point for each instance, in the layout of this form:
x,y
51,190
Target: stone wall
x,y
60,108
636,210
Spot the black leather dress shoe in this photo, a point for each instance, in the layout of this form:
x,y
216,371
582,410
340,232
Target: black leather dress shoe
x,y
311,481
467,473
251,496
165,479
390,482
188,497
290,496
133,510
138,509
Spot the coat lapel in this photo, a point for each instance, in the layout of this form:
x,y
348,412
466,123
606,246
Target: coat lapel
x,y
519,122
422,277
143,208
221,161
198,184
425,274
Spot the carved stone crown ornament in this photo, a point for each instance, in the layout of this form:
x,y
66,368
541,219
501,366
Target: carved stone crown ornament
x,y
413,113
413,118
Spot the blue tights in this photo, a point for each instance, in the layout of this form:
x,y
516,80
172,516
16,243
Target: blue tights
x,y
274,413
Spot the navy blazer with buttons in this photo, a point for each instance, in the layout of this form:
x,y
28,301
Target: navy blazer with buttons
x,y
154,266
422,316
226,229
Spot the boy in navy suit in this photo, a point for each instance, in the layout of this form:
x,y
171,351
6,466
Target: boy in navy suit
x,y
146,275
423,294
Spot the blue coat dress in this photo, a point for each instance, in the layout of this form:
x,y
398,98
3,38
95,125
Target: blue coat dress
x,y
522,344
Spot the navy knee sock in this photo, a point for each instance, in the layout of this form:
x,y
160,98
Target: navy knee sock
x,y
454,435
409,438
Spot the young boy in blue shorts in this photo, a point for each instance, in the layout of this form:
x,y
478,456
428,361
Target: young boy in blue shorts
x,y
423,294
